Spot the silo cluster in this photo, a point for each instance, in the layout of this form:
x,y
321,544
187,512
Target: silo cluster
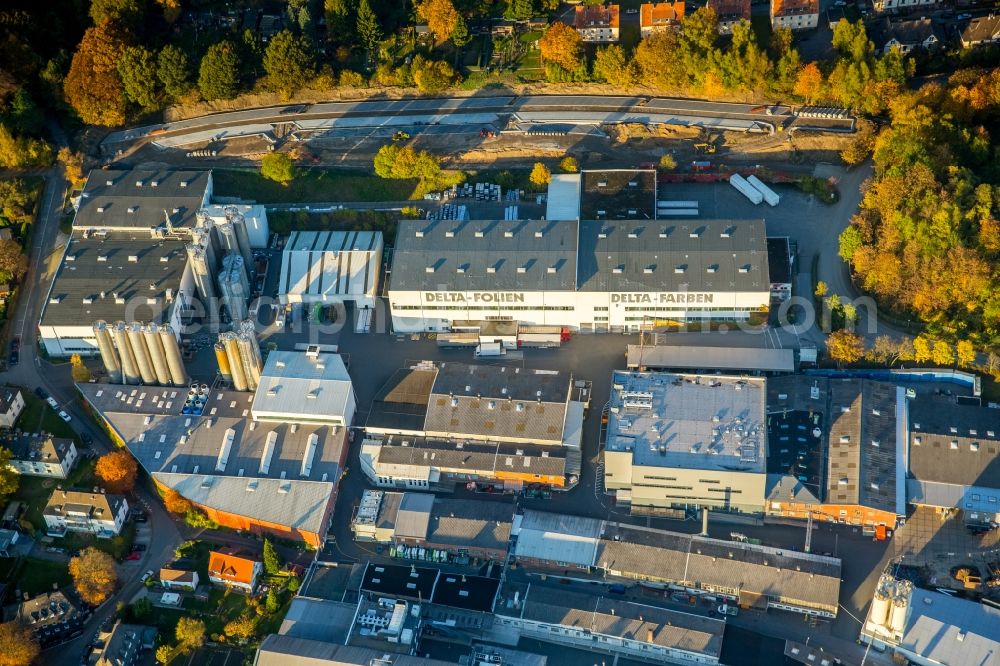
x,y
890,606
140,354
234,286
194,402
238,354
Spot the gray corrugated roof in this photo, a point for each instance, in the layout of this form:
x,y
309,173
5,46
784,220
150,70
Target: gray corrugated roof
x,y
620,263
158,445
558,538
326,264
686,357
277,650
83,274
473,255
401,404
470,456
470,523
149,201
959,444
293,503
296,384
414,515
318,619
622,619
948,630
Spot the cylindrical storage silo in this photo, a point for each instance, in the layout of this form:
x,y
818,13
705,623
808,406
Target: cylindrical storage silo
x,y
223,360
238,223
253,364
130,371
107,348
144,364
155,347
202,273
880,608
172,350
897,614
229,341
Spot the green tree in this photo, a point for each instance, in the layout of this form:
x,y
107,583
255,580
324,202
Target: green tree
x,y
339,27
137,69
241,629
190,633
272,563
519,10
369,29
13,261
965,353
13,200
850,241
22,152
861,146
460,35
431,76
277,167
218,74
289,62
122,12
173,71
9,478
273,604
613,66
660,59
941,354
398,162
540,175
922,349
21,114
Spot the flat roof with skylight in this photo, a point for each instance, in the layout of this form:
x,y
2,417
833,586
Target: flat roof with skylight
x,y
709,422
308,386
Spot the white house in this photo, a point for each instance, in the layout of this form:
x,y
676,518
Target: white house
x,y
92,512
42,455
176,579
11,404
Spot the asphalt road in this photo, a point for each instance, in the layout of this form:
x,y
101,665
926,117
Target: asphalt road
x,y
255,121
33,372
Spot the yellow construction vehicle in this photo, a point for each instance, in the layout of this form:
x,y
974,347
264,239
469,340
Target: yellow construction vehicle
x,y
705,148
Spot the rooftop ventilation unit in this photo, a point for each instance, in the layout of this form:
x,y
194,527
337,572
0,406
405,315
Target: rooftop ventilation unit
x,y
225,449
538,234
508,234
449,234
419,234
310,453
184,183
478,234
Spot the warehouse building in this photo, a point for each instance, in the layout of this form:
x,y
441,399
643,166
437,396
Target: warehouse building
x,y
686,441
461,528
625,628
592,275
331,267
305,387
752,576
450,423
277,478
954,458
142,200
114,276
836,449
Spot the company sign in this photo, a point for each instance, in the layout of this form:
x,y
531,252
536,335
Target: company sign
x,y
473,297
674,298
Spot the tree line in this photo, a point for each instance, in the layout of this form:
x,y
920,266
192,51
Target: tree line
x,y
926,240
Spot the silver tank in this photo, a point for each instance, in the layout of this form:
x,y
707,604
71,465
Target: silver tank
x,y
137,341
231,343
155,347
107,348
172,351
130,371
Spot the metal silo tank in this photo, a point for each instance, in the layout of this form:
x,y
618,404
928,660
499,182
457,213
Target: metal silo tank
x,y
254,363
202,272
223,359
130,371
144,364
107,348
880,608
229,341
155,347
172,350
239,224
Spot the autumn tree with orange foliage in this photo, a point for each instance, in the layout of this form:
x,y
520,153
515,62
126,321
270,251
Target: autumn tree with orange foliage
x,y
561,45
19,645
93,87
117,471
94,575
809,83
175,502
441,17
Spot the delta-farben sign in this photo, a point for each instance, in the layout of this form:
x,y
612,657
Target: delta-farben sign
x,y
672,298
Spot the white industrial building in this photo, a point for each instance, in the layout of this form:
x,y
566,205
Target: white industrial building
x,y
592,275
305,387
687,441
331,267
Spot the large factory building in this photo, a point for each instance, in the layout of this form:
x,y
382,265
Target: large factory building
x,y
148,249
591,275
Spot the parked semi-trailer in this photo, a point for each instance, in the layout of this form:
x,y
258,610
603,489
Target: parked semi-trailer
x,y
770,196
745,188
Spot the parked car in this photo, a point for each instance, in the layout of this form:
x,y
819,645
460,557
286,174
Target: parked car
x,y
134,556
52,402
963,17
726,609
42,393
138,548
65,417
146,576
15,358
15,344
616,588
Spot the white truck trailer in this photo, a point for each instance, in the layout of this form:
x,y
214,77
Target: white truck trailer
x,y
770,196
745,188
